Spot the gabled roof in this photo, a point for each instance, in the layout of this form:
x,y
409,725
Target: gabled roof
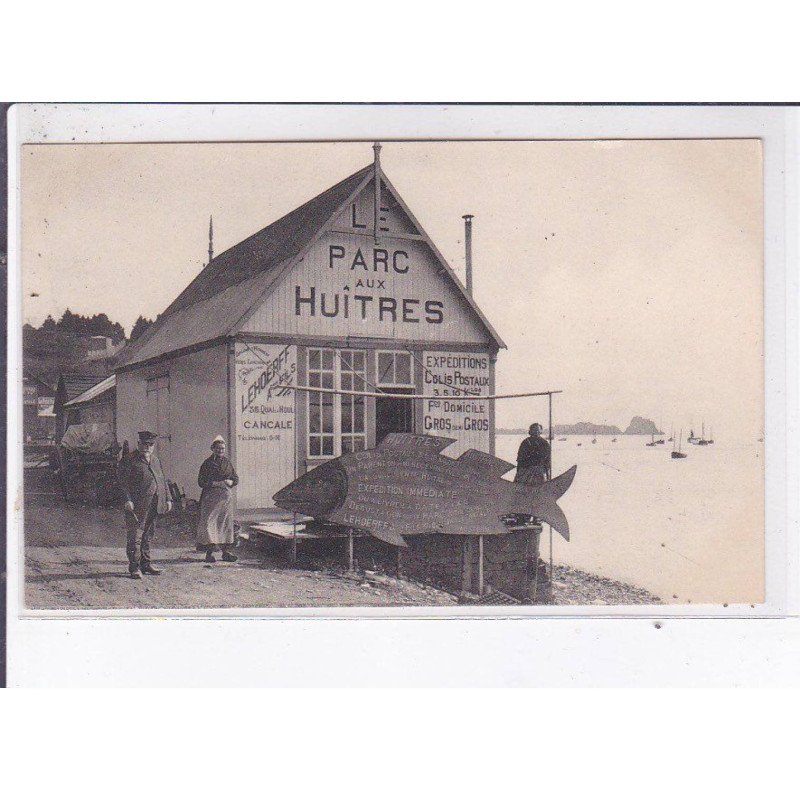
x,y
75,385
106,385
191,319
214,304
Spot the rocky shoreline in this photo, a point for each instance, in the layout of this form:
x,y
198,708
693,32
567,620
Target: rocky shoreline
x,y
574,587
571,587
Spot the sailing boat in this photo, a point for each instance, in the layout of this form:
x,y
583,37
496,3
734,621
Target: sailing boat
x,y
677,453
653,441
672,438
702,440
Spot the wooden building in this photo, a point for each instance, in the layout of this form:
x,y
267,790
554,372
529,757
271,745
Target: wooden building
x,y
345,292
95,404
70,385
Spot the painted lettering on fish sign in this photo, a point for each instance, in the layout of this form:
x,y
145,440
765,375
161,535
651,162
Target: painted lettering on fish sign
x,y
464,495
405,488
458,381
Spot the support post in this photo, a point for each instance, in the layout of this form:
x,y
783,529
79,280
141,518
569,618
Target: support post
x,y
535,582
376,168
480,566
350,559
294,538
466,564
468,250
398,563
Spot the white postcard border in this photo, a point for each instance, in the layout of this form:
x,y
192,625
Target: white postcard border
x,y
39,641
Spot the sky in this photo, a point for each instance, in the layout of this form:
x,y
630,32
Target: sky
x,y
628,274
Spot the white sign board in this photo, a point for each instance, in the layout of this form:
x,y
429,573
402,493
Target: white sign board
x,y
265,421
458,380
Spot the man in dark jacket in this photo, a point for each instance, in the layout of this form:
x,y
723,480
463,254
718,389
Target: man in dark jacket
x,y
146,496
533,458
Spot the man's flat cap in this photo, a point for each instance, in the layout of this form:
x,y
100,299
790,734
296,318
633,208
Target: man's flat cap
x,y
148,437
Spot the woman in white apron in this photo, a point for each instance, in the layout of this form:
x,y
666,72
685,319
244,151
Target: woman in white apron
x,y
215,527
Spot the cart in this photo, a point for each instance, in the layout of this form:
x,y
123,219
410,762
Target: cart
x,y
85,463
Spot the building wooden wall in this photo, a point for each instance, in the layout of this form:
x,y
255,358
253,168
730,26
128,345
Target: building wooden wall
x,y
196,411
360,215
406,294
456,415
104,412
265,424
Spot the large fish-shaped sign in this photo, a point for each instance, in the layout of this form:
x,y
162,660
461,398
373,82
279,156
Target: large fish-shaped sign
x,y
406,487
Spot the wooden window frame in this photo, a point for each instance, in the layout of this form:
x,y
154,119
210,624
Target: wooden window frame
x,y
336,372
395,383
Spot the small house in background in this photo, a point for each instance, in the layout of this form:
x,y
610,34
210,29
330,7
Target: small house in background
x,y
98,403
70,386
102,348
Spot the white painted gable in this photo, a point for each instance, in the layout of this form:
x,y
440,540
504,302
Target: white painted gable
x,y
350,284
359,216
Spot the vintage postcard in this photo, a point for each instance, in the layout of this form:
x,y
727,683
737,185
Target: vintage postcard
x,y
441,374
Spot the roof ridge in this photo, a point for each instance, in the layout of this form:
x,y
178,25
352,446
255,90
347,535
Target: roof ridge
x,y
261,251
83,375
288,214
261,232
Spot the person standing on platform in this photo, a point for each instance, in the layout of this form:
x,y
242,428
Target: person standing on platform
x,y
146,496
215,527
533,457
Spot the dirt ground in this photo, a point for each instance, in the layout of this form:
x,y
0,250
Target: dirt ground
x,y
75,559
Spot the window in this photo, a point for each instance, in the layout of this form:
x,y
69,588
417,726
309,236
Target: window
x,y
336,423
320,406
353,378
395,369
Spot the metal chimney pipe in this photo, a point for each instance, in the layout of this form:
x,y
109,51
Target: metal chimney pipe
x,y
468,246
376,170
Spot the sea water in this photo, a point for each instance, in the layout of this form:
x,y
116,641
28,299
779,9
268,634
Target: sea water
x,y
687,530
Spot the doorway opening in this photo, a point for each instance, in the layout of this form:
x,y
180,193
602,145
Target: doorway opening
x,y
393,414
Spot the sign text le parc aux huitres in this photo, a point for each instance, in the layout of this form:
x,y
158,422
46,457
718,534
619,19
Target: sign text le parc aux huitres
x,y
358,299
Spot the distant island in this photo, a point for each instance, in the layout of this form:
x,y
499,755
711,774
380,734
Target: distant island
x,y
639,426
586,429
